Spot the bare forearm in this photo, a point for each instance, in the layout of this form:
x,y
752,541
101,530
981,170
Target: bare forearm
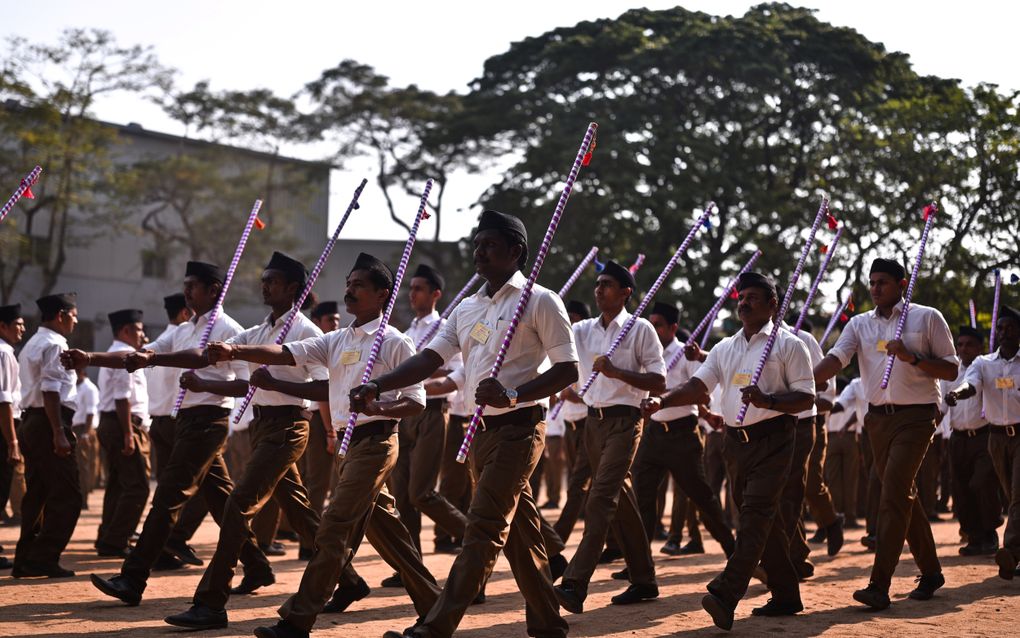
x,y
311,390
826,369
107,359
51,403
694,392
939,368
123,409
265,354
647,381
965,391
7,425
414,370
434,387
402,408
556,378
193,359
793,402
235,388
823,404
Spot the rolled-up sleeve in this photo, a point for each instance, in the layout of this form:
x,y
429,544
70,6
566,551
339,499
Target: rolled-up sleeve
x,y
314,350
8,376
554,331
710,372
399,351
118,384
800,375
941,338
650,349
446,343
53,376
847,344
163,344
975,373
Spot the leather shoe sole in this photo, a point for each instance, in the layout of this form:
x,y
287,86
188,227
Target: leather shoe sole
x,y
721,615
124,595
1007,564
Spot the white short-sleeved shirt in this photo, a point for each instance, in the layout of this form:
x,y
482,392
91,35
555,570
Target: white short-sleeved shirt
x,y
998,383
41,370
965,415
86,403
345,352
815,351
266,333
731,364
117,384
477,326
926,334
187,336
162,383
679,375
640,351
419,329
10,379
849,398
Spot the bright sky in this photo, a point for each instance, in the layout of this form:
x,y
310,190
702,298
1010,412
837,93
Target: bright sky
x,y
442,45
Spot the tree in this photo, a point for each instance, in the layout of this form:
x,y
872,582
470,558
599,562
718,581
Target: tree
x,y
47,120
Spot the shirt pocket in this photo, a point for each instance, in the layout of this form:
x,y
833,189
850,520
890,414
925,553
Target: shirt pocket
x,y
914,342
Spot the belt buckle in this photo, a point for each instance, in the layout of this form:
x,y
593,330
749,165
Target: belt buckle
x,y
741,432
601,414
1010,431
889,409
481,422
665,427
971,433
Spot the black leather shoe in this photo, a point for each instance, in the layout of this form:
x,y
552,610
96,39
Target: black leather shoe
x,y
118,587
775,608
480,598
805,570
927,586
570,599
183,552
834,536
199,617
5,563
252,582
1007,564
636,594
38,570
305,553
105,551
869,541
623,574
819,536
691,548
873,596
282,629
720,612
273,549
610,556
344,597
550,505
392,581
447,546
557,565
660,533
167,562
670,548
407,633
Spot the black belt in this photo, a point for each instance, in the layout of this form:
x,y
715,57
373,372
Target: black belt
x,y
614,412
761,429
1008,430
892,408
372,428
806,422
975,432
436,404
204,412
65,412
575,425
685,424
135,419
275,411
525,416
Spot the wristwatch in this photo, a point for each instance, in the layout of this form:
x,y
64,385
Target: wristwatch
x,y
511,396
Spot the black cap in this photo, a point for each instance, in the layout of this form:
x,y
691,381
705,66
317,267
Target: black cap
x,y
620,274
1007,311
325,308
431,275
52,304
756,280
889,267
121,318
174,303
508,224
579,308
967,331
204,271
293,269
368,262
11,313
684,335
668,311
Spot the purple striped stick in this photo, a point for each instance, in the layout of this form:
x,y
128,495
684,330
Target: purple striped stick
x,y
973,316
817,281
574,276
434,328
629,325
289,323
215,312
995,310
511,329
708,331
380,332
706,323
25,184
835,319
933,209
823,210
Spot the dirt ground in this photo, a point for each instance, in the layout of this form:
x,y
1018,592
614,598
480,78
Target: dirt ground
x,y
974,602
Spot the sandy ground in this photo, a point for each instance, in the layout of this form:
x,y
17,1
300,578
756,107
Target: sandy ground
x,y
974,602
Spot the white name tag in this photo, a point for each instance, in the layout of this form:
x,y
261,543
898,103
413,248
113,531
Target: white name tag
x,y
481,333
882,345
742,379
347,357
1004,383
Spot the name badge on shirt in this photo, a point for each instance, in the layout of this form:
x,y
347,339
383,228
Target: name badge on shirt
x,y
347,357
481,333
742,379
1004,383
881,346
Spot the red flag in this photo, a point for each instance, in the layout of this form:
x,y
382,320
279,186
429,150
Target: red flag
x,y
587,156
928,211
28,194
824,249
259,224
843,317
734,294
833,224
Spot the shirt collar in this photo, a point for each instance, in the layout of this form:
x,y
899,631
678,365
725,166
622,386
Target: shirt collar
x,y
619,319
368,328
516,281
52,335
897,309
765,331
427,320
998,355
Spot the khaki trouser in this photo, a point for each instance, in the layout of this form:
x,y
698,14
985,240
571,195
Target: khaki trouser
x,y
578,479
356,510
842,471
553,468
817,497
928,476
611,444
899,442
455,481
52,501
162,431
195,464
317,465
1005,451
422,440
792,501
127,482
278,441
975,490
758,473
503,515
84,457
